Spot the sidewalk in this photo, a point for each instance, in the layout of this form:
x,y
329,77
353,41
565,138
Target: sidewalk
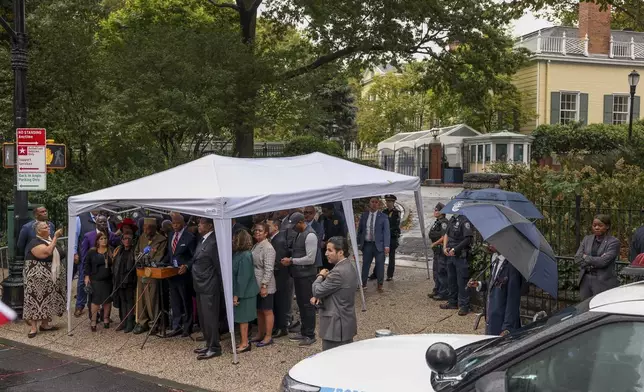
x,y
27,368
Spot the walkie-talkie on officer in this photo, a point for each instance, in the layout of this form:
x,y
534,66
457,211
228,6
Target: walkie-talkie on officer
x,y
439,264
457,246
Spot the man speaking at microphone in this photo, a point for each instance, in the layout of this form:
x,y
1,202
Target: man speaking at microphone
x,y
147,308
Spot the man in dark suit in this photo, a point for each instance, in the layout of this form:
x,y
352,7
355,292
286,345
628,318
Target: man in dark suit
x,y
503,296
334,226
181,249
283,281
374,239
206,279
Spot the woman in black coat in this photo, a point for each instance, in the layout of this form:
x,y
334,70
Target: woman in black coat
x,y
596,257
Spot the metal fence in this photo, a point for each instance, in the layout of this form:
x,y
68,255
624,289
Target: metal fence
x,y
566,222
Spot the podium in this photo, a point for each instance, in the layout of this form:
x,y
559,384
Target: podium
x,y
159,274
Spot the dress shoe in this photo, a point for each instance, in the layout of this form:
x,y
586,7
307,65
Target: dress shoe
x,y
294,326
129,328
432,295
202,350
448,306
439,298
173,332
296,338
185,334
139,329
307,342
78,312
278,333
373,277
463,311
199,339
120,327
380,288
209,354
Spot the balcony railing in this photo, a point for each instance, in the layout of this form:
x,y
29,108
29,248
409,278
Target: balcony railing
x,y
579,46
630,49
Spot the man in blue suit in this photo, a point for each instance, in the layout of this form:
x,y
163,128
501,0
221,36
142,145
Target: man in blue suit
x,y
374,240
503,296
181,250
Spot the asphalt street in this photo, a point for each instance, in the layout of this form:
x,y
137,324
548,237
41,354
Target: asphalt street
x,y
25,368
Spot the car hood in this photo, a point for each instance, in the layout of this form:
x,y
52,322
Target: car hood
x,y
394,363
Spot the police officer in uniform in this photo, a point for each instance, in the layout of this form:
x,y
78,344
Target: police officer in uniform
x,y
456,246
439,265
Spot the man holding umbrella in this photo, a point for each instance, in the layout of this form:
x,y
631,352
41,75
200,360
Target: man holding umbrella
x,y
503,289
456,247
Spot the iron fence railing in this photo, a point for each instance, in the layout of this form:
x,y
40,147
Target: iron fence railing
x,y
535,299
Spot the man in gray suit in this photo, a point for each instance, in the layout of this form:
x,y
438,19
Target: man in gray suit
x,y
334,293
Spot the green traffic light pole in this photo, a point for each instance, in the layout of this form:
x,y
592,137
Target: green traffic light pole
x,y
13,286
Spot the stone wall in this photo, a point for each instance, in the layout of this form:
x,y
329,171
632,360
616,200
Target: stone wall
x,y
484,180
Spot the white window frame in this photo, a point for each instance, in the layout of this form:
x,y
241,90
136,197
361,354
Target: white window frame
x,y
577,104
628,108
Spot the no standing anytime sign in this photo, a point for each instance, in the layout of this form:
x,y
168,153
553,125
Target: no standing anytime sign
x,y
32,164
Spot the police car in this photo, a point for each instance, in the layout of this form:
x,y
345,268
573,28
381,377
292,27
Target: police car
x,y
596,345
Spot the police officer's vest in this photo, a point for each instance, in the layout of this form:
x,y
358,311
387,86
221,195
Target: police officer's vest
x,y
299,250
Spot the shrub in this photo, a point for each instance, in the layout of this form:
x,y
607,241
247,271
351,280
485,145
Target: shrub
x,y
592,139
308,144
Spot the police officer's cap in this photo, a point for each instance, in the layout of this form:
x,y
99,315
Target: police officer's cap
x,y
390,198
439,206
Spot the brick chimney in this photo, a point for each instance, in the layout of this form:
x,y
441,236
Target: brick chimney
x,y
596,24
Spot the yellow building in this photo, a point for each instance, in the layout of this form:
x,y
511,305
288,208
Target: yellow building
x,y
581,74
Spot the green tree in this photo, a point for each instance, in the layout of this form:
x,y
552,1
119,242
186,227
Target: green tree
x,y
389,106
363,33
479,82
626,14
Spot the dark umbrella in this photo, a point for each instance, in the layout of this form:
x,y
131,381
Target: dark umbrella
x,y
518,240
514,200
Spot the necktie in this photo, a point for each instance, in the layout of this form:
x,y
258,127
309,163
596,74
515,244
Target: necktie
x,y
370,223
174,242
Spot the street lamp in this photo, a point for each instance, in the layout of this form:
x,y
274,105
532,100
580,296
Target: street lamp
x,y
633,80
12,287
434,132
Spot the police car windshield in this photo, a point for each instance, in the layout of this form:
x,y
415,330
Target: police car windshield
x,y
471,356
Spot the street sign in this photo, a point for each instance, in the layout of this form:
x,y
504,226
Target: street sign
x,y
55,156
31,159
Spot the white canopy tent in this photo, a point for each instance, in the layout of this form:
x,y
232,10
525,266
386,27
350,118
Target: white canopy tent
x,y
223,188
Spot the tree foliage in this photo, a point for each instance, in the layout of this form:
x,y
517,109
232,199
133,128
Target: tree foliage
x,y
626,14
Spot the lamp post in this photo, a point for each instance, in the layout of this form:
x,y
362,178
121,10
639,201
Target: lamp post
x,y
13,286
434,132
633,80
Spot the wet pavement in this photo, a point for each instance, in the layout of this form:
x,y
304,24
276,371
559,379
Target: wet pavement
x,y
411,244
26,368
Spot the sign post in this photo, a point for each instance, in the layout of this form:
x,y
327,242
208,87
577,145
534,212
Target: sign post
x,y
31,162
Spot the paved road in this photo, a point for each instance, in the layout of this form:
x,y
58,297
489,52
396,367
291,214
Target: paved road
x,y
24,368
412,247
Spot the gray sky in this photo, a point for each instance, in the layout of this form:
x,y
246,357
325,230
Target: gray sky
x,y
527,24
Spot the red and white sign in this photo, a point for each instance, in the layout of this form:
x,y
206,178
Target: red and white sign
x,y
31,159
6,314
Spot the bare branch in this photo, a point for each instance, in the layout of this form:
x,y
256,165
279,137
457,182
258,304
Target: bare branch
x,y
329,58
7,28
224,5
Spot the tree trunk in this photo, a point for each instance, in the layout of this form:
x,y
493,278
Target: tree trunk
x,y
244,130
